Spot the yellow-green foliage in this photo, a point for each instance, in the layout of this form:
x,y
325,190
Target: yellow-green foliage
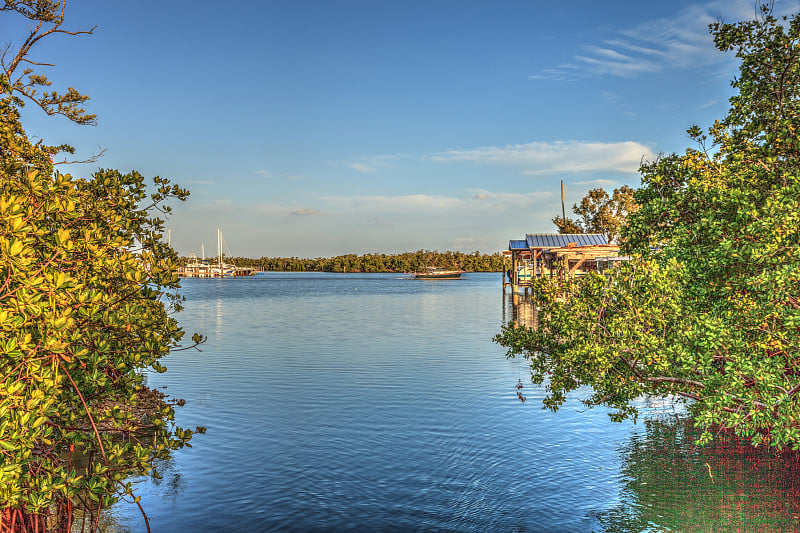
x,y
86,298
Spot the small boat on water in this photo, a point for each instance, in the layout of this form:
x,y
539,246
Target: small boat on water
x,y
438,273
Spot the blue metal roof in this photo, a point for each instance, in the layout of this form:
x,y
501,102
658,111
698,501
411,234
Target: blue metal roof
x,y
518,245
558,240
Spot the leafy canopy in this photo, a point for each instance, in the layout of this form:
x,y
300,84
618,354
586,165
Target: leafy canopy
x,y
600,213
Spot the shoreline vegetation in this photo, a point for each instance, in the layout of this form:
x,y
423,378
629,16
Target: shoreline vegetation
x,y
87,305
374,263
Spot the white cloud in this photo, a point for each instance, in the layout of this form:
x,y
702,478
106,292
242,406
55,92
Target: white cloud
x,y
564,73
502,201
368,164
682,41
607,61
400,203
561,156
361,167
305,211
466,204
265,173
389,223
606,184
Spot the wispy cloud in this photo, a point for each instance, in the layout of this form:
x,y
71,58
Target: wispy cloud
x,y
304,211
374,163
561,156
597,183
400,203
565,72
502,201
467,203
201,182
681,41
361,167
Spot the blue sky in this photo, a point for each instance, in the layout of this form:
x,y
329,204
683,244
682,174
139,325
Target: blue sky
x,y
318,128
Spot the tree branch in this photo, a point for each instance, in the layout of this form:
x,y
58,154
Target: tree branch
x,y
93,159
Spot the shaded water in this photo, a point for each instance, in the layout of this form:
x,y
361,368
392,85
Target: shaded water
x,y
353,402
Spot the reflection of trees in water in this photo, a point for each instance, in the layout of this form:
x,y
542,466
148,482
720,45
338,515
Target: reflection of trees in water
x,y
671,485
166,477
522,310
165,480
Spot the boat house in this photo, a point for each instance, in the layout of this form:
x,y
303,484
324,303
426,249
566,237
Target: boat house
x,y
556,254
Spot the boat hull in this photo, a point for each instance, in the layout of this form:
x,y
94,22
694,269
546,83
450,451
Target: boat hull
x,y
437,275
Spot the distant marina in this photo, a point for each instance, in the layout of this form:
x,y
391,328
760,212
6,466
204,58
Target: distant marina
x,y
205,268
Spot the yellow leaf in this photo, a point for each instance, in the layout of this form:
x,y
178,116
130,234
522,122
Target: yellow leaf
x,y
16,247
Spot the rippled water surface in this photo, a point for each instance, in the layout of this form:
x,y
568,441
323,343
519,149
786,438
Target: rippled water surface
x,y
373,402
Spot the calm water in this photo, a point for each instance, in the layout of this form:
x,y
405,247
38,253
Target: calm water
x,y
372,402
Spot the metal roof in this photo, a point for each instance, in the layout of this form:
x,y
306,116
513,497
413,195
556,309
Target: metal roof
x,y
557,240
518,245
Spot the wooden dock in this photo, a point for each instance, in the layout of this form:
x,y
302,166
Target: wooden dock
x,y
205,270
552,254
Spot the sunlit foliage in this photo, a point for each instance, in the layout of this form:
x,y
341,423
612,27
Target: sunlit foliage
x,y
600,213
87,294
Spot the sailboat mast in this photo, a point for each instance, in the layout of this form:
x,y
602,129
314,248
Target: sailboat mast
x,y
219,249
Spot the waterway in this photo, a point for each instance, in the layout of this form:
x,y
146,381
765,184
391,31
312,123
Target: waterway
x,y
372,402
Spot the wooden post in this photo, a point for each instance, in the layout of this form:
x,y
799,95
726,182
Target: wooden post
x,y
514,276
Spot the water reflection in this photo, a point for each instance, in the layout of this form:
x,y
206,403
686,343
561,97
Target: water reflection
x,y
520,309
672,485
376,403
669,484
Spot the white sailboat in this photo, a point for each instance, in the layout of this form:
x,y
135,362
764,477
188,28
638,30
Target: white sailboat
x,y
204,268
222,269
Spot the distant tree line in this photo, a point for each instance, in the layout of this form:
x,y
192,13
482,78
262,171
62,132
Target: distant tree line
x,y
404,262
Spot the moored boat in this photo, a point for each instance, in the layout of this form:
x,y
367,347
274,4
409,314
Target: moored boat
x,y
438,273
